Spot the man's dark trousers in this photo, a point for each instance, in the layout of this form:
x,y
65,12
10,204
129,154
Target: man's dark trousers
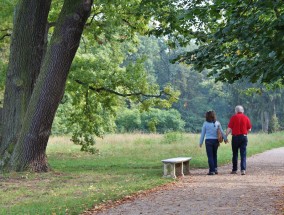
x,y
239,142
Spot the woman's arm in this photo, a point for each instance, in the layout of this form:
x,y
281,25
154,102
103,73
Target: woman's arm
x,y
202,135
223,133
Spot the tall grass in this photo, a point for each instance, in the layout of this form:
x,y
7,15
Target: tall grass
x,y
126,164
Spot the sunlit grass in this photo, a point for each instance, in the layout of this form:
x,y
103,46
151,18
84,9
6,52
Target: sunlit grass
x,y
126,164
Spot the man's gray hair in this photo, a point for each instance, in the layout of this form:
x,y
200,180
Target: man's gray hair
x,y
239,108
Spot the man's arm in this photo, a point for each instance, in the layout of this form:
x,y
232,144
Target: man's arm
x,y
249,126
228,131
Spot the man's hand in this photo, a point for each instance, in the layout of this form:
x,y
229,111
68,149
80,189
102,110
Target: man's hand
x,y
229,130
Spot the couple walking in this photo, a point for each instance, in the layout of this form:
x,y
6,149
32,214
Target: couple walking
x,y
239,126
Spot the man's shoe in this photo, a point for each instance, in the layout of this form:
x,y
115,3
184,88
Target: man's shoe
x,y
234,172
211,173
243,172
216,171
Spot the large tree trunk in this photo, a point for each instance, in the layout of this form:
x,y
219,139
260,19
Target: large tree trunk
x,y
29,152
26,52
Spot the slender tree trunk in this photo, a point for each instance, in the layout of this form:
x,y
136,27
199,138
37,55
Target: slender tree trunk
x,y
29,152
266,121
26,54
262,121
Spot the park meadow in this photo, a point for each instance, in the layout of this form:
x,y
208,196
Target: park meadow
x,y
124,165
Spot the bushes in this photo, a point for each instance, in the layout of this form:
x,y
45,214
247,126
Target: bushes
x,y
128,121
274,124
155,120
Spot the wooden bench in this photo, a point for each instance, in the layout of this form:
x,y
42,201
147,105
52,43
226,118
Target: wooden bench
x,y
174,167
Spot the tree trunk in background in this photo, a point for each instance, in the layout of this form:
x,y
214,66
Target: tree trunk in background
x,y
265,123
30,149
26,53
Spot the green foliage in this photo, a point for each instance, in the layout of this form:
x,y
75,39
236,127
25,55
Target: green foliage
x,y
274,124
55,7
6,16
99,83
260,101
128,120
165,120
199,93
101,72
154,120
152,125
114,63
236,39
85,140
60,125
110,17
6,8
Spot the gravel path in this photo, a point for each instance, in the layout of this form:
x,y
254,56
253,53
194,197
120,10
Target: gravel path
x,y
259,192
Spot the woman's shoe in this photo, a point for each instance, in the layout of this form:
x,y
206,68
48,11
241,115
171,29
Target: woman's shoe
x,y
211,173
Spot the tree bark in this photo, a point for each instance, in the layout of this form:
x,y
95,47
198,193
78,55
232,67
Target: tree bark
x,y
26,53
29,152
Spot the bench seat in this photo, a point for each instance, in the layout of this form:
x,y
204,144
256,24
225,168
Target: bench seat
x,y
174,167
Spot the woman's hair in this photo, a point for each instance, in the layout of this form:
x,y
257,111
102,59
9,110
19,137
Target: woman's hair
x,y
239,109
210,116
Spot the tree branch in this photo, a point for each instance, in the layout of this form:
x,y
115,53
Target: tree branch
x,y
8,29
129,24
5,35
122,94
277,14
92,19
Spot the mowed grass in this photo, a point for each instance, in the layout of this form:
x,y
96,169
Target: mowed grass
x,y
126,164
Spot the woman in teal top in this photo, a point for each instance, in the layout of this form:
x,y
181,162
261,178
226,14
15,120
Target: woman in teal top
x,y
209,131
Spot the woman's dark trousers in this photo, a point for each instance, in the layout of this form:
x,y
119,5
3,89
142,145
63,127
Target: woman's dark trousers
x,y
211,150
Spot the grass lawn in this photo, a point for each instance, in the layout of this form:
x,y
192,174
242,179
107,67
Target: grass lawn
x,y
126,164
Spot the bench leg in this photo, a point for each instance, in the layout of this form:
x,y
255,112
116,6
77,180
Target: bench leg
x,y
186,168
169,170
179,169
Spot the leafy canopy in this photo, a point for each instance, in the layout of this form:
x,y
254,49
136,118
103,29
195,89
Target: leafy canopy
x,y
236,39
101,74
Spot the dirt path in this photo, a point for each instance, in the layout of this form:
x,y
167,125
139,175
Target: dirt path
x,y
260,192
